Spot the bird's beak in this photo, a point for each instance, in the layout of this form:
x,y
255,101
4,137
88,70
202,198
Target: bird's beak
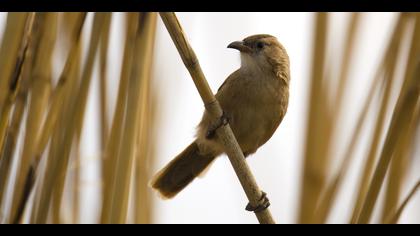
x,y
239,45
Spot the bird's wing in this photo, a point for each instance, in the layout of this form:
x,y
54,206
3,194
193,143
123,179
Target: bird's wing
x,y
229,78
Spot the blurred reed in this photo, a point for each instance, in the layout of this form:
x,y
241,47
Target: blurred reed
x,y
51,112
391,144
42,120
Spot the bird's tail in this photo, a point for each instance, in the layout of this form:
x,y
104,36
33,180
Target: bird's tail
x,y
181,171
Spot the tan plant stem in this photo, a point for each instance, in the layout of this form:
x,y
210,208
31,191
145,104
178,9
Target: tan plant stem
x,y
228,139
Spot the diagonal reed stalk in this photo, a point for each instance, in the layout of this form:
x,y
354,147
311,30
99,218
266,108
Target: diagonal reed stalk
x,y
114,140
399,163
15,125
389,60
65,79
315,153
397,171
400,121
144,150
328,197
393,219
12,81
232,148
142,52
59,97
58,161
58,191
13,34
71,20
103,61
20,193
399,166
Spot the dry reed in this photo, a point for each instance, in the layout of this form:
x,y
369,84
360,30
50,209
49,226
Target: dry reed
x,y
232,148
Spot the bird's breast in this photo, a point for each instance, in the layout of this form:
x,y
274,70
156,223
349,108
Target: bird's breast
x,y
258,109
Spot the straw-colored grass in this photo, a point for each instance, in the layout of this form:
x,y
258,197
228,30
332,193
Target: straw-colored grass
x,y
42,119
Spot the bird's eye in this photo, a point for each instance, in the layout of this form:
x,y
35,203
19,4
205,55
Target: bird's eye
x,y
260,45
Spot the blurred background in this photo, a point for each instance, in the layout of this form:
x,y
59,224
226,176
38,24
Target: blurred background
x,y
94,104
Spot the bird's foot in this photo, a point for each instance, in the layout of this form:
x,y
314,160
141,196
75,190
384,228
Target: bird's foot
x,y
263,204
223,120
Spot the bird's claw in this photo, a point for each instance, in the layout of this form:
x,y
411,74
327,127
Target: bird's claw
x,y
263,204
222,121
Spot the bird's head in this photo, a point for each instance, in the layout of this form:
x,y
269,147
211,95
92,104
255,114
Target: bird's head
x,y
263,53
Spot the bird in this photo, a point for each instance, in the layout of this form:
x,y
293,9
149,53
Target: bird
x,y
254,100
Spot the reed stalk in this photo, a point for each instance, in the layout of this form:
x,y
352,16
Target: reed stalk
x,y
16,120
315,153
228,139
400,121
20,194
13,83
13,34
393,219
103,62
73,121
142,53
142,201
60,101
115,136
387,68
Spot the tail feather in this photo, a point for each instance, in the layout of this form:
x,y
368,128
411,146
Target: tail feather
x,y
181,171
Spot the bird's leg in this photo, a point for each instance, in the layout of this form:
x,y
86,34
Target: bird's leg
x,y
262,204
211,131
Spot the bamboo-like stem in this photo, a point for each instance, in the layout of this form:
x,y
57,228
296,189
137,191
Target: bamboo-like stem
x,y
393,218
20,191
328,198
17,97
398,165
228,139
10,143
58,94
41,190
103,61
46,26
142,206
16,122
347,57
387,67
73,121
13,33
400,121
389,80
76,181
59,188
11,65
142,54
142,201
60,100
315,153
114,140
397,174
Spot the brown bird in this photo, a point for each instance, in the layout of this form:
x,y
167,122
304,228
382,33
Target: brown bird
x,y
254,100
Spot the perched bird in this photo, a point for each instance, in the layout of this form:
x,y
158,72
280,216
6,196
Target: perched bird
x,y
254,100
